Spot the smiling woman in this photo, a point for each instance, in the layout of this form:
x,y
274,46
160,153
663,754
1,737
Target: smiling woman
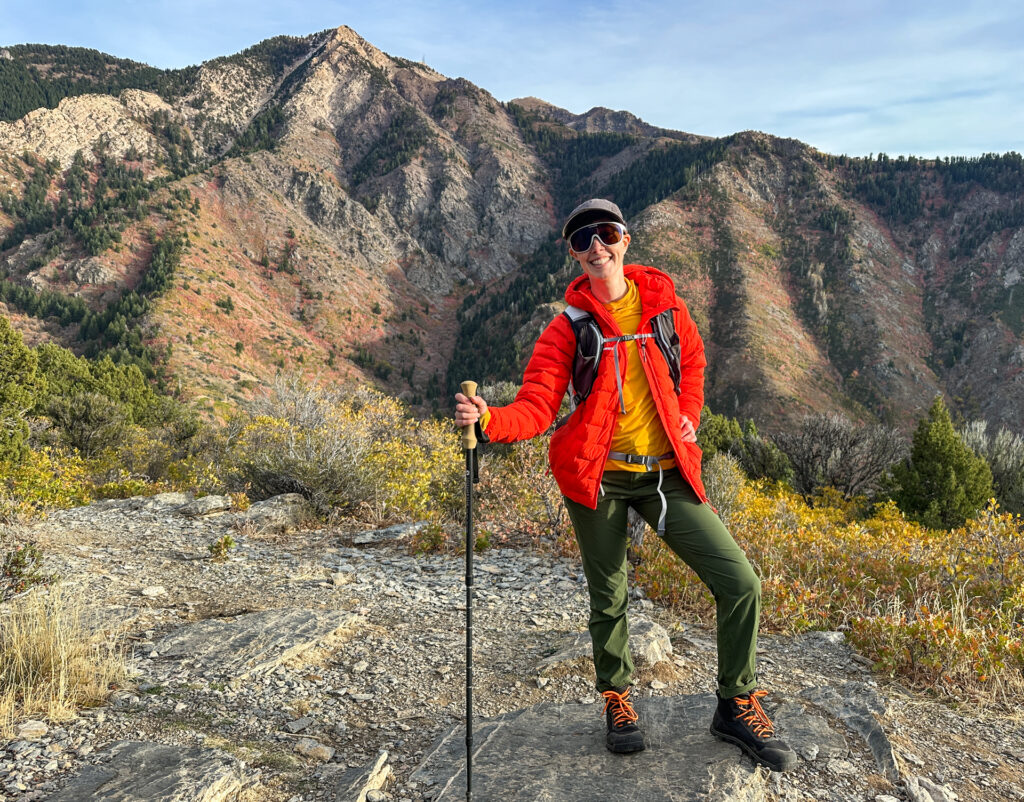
x,y
631,444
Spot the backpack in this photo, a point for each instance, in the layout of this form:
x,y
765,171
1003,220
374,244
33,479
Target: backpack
x,y
591,344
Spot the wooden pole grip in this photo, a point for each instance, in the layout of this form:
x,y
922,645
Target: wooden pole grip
x,y
469,432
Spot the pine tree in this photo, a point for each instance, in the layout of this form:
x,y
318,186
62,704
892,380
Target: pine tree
x,y
942,483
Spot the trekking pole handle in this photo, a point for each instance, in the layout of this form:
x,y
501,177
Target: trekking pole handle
x,y
469,432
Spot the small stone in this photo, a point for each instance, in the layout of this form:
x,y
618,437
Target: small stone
x,y
341,578
939,793
810,752
153,591
299,724
32,730
360,667
542,681
658,685
373,795
842,767
314,750
885,798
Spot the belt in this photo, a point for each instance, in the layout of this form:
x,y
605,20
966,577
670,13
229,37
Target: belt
x,y
648,462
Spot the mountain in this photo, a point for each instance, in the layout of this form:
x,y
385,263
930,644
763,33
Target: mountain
x,y
314,204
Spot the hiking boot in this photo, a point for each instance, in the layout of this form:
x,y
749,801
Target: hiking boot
x,y
624,735
742,721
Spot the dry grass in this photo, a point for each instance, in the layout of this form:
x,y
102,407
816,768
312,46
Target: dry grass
x,y
51,665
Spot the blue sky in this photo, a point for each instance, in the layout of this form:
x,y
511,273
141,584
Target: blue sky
x,y
936,78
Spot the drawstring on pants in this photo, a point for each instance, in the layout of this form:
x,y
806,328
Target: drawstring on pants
x,y
649,463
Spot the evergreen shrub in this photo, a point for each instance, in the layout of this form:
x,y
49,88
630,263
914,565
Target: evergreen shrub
x,y
942,483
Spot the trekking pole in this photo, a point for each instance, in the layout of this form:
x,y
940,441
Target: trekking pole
x,y
469,446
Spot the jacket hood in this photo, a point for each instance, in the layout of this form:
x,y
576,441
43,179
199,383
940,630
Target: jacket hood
x,y
655,286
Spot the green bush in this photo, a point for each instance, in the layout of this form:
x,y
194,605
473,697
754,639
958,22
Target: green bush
x,y
760,457
717,433
18,384
21,568
942,483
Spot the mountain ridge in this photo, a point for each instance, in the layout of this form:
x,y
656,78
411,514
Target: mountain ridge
x,y
373,220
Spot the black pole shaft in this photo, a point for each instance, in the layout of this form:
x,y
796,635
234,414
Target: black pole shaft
x,y
470,545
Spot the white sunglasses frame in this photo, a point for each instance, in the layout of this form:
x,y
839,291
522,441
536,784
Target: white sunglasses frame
x,y
623,231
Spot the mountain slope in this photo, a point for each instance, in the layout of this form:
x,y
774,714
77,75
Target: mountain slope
x,y
361,217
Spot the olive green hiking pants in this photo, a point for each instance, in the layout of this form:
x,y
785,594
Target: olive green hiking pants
x,y
698,536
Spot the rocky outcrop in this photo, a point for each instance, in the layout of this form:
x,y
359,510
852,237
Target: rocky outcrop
x,y
136,771
375,711
85,123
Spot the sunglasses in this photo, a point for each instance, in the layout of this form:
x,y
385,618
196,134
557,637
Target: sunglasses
x,y
582,239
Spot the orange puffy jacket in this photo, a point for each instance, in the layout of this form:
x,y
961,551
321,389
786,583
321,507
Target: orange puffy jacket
x,y
579,448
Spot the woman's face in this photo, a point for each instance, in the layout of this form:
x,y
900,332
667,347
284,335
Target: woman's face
x,y
601,262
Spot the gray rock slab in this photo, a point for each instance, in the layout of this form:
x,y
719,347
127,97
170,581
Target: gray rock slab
x,y
161,502
648,643
139,771
254,643
554,752
278,514
858,705
921,789
207,505
356,783
810,735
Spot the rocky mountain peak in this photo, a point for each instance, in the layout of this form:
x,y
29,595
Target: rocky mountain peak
x,y
345,38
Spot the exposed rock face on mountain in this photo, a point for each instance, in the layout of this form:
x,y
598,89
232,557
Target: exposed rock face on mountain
x,y
356,215
118,125
601,120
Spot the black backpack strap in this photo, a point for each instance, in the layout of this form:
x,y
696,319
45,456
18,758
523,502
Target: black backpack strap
x,y
589,347
664,327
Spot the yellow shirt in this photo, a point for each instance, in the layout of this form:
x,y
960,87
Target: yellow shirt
x,y
639,430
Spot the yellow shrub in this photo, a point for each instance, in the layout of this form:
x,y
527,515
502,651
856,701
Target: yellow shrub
x,y
195,474
46,479
516,489
940,609
356,452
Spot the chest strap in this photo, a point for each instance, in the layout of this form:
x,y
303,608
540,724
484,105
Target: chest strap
x,y
615,353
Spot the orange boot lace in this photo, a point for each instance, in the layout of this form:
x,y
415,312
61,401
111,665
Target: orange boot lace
x,y
753,715
622,711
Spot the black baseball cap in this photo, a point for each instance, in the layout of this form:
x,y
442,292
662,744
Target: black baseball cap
x,y
595,210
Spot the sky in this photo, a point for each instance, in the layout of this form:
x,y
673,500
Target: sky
x,y
855,77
